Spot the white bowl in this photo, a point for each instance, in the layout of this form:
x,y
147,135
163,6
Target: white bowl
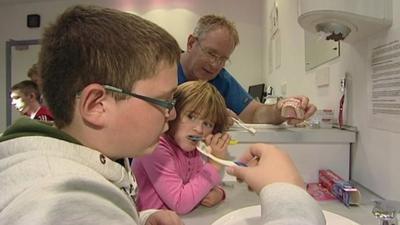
x,y
251,216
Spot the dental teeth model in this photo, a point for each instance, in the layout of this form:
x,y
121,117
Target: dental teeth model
x,y
291,109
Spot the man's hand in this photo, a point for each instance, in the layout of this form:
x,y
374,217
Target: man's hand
x,y
164,217
302,102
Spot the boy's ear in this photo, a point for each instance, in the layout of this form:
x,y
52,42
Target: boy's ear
x,y
32,96
93,105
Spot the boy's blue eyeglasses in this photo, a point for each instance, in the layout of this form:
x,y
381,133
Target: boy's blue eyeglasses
x,y
168,104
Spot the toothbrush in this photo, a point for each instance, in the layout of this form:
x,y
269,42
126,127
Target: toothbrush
x,y
204,149
241,124
199,138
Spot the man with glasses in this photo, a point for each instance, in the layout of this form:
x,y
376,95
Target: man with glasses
x,y
99,70
208,50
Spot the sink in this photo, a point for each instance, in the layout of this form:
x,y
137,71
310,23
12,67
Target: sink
x,y
251,216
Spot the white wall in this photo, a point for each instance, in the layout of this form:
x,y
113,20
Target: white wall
x,y
375,155
292,69
177,16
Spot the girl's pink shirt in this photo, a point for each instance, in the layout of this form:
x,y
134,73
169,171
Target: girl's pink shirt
x,y
171,178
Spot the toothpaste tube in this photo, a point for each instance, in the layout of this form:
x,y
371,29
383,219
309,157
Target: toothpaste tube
x,y
341,189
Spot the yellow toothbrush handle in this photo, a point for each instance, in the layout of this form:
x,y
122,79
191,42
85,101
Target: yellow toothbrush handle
x,y
233,142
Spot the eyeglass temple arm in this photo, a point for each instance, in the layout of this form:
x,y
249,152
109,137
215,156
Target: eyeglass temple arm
x,y
111,88
155,101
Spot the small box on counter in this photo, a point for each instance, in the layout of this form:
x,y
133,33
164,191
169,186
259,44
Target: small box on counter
x,y
342,189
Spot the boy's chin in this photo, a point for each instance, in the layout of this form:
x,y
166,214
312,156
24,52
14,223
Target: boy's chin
x,y
166,128
147,150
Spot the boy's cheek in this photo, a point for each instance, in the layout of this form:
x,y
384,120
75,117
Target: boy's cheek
x,y
19,104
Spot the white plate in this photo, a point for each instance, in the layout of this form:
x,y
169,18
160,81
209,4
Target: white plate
x,y
251,216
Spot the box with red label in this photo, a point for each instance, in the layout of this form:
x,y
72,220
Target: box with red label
x,y
342,189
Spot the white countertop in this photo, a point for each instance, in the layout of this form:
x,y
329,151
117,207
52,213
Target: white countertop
x,y
282,134
238,196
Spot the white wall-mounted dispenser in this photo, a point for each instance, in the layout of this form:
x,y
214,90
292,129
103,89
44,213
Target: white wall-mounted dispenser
x,y
347,20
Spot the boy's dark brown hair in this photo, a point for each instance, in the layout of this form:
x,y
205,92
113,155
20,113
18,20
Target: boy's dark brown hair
x,y
89,44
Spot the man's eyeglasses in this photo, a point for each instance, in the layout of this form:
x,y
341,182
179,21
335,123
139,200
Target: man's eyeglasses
x,y
168,104
219,60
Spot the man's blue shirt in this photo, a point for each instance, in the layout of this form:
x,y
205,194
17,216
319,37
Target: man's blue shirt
x,y
236,98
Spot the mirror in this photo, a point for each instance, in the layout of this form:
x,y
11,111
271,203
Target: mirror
x,y
319,51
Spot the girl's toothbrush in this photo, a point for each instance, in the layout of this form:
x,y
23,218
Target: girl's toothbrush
x,y
199,138
205,150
